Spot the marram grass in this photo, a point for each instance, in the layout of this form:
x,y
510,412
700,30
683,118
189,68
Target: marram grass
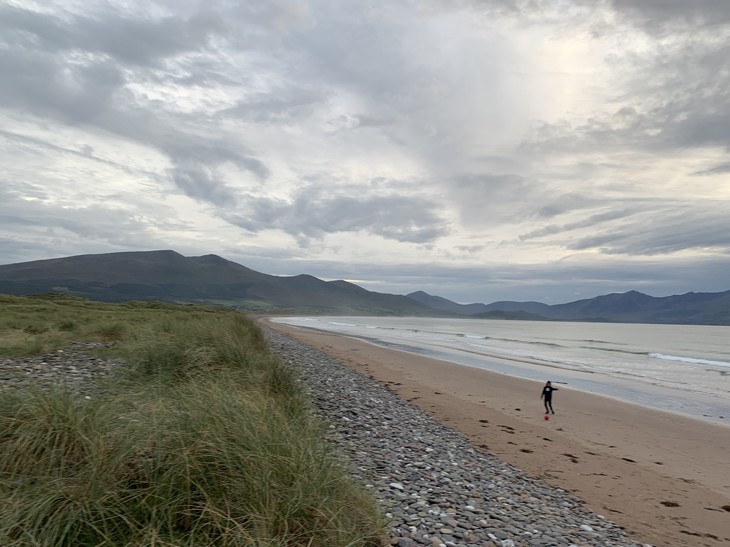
x,y
204,439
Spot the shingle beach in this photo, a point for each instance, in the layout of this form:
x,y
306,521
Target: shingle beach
x,y
435,485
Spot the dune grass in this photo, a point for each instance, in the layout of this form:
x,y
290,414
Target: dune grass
x,y
202,439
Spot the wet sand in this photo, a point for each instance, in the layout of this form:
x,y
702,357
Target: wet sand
x,y
664,477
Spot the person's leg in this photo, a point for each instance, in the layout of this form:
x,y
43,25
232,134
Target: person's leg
x,y
550,404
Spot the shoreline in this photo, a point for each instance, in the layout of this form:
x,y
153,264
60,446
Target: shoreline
x,y
660,475
640,391
719,420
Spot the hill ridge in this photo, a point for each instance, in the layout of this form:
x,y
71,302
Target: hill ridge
x,y
169,276
696,308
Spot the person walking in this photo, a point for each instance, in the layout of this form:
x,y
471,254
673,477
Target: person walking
x,y
547,397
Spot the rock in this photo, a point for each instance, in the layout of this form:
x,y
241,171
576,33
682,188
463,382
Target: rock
x,y
71,367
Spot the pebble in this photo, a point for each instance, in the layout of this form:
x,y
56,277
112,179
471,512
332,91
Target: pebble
x,y
436,487
73,367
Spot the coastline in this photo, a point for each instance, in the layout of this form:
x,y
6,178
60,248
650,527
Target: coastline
x,y
660,475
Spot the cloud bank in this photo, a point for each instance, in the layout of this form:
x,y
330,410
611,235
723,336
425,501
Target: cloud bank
x,y
476,150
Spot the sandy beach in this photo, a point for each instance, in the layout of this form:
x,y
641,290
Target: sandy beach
x,y
662,476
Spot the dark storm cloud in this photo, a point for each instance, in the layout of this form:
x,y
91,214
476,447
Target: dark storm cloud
x,y
688,110
49,78
291,103
691,105
645,228
549,203
656,15
51,231
16,250
202,183
312,213
715,170
595,221
85,152
490,199
139,41
188,148
48,86
677,94
195,164
660,231
97,222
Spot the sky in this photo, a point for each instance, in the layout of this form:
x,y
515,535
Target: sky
x,y
477,150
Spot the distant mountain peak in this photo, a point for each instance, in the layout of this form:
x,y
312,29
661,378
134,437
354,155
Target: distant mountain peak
x,y
417,294
628,307
213,259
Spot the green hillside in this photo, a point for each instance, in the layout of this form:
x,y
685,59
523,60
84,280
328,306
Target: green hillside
x,y
169,276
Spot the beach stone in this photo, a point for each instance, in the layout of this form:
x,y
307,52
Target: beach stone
x,y
451,492
73,367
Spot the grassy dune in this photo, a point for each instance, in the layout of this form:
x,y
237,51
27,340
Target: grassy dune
x,y
203,439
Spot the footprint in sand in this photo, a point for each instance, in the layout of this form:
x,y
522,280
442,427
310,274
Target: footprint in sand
x,y
573,458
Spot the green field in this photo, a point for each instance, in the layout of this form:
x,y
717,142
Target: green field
x,y
203,438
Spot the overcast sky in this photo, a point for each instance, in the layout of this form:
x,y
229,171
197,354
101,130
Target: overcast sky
x,y
477,150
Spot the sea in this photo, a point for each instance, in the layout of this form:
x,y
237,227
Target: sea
x,y
677,368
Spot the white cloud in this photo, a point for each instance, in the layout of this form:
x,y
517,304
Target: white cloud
x,y
476,148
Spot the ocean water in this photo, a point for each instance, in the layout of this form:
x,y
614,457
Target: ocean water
x,y
677,368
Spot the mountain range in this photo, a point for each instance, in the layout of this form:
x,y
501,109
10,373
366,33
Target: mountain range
x,y
170,276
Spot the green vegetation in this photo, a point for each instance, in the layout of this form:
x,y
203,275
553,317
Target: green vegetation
x,y
203,439
207,280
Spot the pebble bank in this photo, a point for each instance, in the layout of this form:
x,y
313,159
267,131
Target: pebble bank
x,y
74,367
438,489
